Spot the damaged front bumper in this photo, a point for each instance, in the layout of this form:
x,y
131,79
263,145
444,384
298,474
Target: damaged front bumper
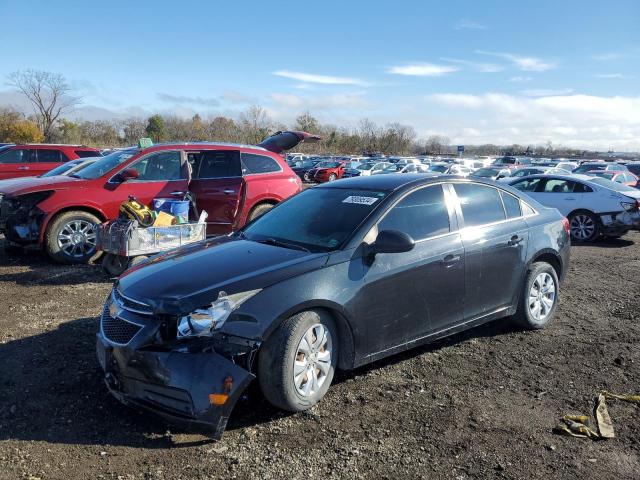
x,y
193,388
20,225
619,223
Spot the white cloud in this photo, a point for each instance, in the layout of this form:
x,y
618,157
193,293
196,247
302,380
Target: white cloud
x,y
576,120
527,64
610,75
465,23
603,57
337,101
323,79
520,79
480,67
422,70
546,92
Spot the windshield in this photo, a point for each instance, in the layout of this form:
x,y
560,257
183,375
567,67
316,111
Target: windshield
x,y
618,187
106,164
61,169
603,174
588,167
505,161
328,165
303,219
365,166
486,172
438,168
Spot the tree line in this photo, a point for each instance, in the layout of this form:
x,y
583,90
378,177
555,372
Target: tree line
x,y
52,100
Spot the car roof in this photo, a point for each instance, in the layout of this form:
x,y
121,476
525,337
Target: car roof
x,y
567,176
390,183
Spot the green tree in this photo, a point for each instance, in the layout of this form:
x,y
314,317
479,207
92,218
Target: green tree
x,y
307,123
22,131
156,128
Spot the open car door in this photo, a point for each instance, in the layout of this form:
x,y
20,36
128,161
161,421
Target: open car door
x,y
282,141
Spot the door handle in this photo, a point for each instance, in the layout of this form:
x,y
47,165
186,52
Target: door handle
x,y
515,240
177,194
228,191
570,198
23,167
451,260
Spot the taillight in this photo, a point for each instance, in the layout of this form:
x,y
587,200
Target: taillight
x,y
565,225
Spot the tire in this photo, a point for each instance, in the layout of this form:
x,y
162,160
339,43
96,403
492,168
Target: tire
x,y
584,226
62,249
332,177
306,177
284,348
538,274
259,210
114,265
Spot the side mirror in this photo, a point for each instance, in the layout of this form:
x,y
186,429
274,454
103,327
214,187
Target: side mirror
x,y
128,174
392,241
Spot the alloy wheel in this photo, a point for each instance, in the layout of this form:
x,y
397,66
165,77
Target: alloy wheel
x,y
542,296
312,361
77,238
582,227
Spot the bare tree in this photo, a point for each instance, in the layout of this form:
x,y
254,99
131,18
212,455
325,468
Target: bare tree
x,y
255,124
49,94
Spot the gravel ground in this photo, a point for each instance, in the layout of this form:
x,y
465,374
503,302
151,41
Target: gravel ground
x,y
478,405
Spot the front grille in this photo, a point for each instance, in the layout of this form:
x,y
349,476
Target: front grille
x,y
117,330
131,305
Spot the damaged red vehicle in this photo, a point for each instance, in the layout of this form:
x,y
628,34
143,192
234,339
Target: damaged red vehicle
x,y
328,171
233,183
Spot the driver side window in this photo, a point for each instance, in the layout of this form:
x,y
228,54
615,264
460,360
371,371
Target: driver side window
x,y
160,166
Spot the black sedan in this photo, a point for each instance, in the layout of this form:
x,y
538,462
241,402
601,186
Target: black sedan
x,y
338,276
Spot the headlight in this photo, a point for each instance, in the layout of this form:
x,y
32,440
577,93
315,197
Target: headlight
x,y
28,201
203,321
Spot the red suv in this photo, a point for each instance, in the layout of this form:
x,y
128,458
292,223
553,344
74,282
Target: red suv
x,y
328,171
233,183
35,159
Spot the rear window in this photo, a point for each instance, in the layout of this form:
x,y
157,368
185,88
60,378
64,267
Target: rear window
x,y
480,204
252,163
51,156
618,187
635,169
86,153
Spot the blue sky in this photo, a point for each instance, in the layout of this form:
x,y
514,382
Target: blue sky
x,y
490,71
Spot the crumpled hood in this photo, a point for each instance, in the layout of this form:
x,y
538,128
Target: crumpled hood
x,y
20,186
178,282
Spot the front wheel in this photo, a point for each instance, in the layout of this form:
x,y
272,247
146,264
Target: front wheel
x,y
297,362
259,210
539,298
332,177
71,237
584,226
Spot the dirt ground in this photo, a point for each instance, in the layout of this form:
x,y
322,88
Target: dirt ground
x,y
478,405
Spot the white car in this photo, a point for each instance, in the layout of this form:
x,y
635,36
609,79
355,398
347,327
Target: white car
x,y
567,166
367,169
594,206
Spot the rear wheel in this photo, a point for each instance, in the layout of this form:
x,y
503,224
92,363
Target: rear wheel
x,y
297,363
259,210
538,299
71,237
584,226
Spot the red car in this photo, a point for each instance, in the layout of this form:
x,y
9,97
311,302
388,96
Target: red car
x,y
35,159
233,183
328,171
619,176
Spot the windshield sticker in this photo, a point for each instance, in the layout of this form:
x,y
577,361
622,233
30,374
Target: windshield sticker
x,y
360,200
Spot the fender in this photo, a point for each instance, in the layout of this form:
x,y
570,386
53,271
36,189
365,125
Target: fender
x,y
90,207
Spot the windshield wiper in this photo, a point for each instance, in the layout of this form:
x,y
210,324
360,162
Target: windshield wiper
x,y
280,243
